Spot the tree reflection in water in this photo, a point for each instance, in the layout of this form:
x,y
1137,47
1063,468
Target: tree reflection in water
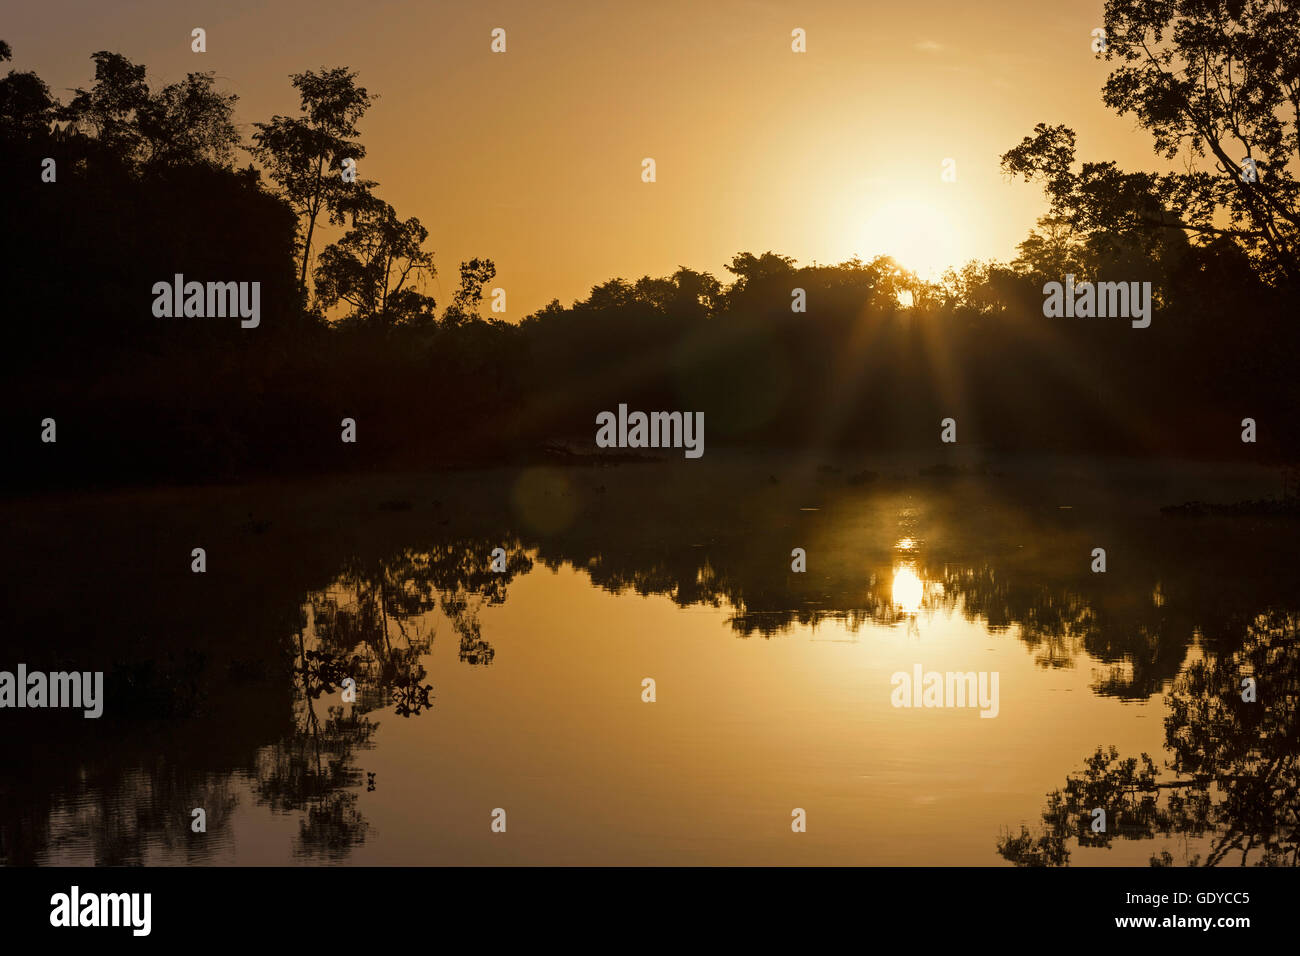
x,y
370,626
1230,777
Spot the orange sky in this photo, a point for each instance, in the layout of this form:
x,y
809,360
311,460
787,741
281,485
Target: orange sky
x,y
533,158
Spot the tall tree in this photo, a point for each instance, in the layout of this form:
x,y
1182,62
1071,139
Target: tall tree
x,y
1216,80
305,154
377,268
474,274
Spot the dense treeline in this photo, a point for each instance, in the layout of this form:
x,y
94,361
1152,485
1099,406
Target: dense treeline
x,y
125,186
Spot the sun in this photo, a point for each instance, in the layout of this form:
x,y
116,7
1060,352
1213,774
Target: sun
x,y
920,236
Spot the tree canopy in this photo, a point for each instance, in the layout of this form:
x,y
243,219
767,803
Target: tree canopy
x,y
1215,82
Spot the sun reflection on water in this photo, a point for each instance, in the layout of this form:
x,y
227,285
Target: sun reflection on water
x,y
908,590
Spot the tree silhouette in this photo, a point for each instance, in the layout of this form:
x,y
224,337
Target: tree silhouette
x,y
377,268
183,123
26,107
189,122
1216,80
109,111
474,274
876,359
304,154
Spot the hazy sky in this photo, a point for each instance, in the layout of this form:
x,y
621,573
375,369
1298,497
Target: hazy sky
x,y
533,157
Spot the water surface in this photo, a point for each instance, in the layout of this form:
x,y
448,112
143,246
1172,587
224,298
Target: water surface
x,y
522,690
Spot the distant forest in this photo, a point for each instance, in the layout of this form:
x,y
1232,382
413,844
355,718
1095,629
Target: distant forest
x,y
149,181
